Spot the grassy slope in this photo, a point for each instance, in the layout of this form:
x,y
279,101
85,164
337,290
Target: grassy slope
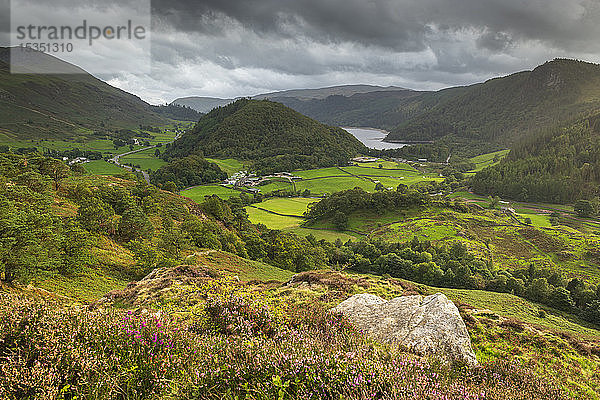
x,y
101,167
145,159
501,109
487,160
230,165
30,108
199,192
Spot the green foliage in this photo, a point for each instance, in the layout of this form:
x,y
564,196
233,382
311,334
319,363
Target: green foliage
x,y
134,224
557,165
32,237
244,346
275,137
177,112
186,172
340,221
349,201
96,215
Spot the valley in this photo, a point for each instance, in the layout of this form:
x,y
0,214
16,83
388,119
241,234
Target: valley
x,y
199,256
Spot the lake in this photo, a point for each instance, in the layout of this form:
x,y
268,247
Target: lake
x,y
373,138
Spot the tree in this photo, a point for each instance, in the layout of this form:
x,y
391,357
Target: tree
x,y
96,216
145,255
55,169
538,290
157,152
561,298
340,221
494,202
170,186
528,221
584,208
379,187
135,224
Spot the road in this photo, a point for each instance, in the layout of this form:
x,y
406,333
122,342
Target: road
x,y
117,158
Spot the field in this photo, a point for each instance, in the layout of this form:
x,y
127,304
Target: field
x,y
294,206
488,160
272,221
229,165
101,167
145,159
267,213
199,192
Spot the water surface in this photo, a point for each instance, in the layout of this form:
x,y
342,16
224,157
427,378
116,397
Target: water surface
x,y
373,138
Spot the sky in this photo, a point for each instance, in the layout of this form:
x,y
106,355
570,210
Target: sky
x,y
231,48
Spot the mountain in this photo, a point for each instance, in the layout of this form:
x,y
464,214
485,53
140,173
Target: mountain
x,y
374,109
202,104
272,135
67,105
501,109
322,93
205,104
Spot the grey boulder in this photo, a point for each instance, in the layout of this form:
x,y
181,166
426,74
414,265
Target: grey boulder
x,y
428,326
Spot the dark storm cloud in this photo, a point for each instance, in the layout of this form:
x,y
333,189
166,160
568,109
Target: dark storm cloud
x,y
397,24
228,48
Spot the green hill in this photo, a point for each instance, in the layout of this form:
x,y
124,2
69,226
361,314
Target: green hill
x,y
64,106
501,109
559,165
275,137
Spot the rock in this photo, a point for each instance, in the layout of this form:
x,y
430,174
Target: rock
x,y
428,326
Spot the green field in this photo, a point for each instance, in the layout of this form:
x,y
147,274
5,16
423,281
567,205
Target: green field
x,y
276,185
331,185
295,206
385,164
320,173
292,206
145,159
272,221
488,160
376,172
101,167
230,165
293,225
199,192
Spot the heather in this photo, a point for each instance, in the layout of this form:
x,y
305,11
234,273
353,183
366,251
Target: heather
x,y
229,346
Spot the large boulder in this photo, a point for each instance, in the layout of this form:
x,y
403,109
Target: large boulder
x,y
429,326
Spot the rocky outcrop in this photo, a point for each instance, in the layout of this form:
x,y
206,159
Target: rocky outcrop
x,y
429,326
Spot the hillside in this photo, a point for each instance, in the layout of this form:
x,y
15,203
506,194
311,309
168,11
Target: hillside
x,y
66,105
323,93
501,109
213,292
275,137
378,109
558,164
205,104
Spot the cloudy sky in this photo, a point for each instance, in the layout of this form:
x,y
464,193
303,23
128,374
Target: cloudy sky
x,y
228,48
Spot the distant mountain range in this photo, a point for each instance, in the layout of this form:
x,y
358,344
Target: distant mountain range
x,y
205,104
497,111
